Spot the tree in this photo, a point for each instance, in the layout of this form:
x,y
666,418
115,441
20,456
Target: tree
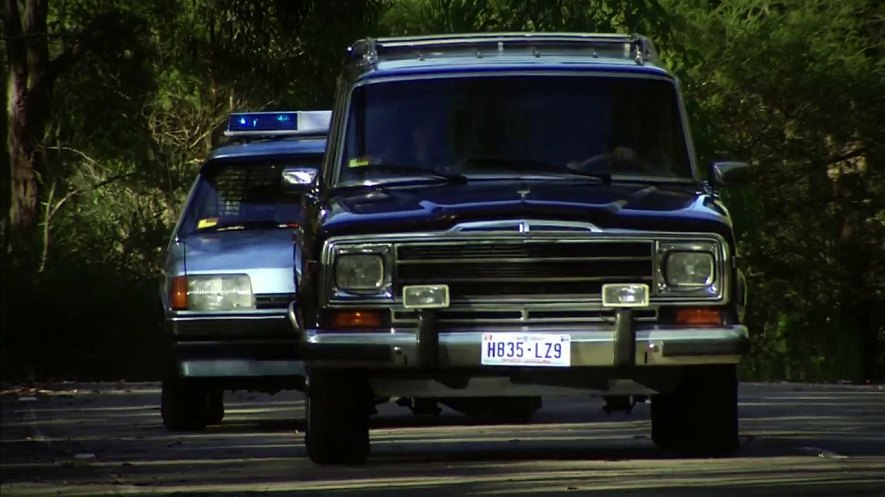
x,y
31,75
795,86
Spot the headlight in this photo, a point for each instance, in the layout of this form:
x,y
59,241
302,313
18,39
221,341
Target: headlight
x,y
689,269
359,272
219,292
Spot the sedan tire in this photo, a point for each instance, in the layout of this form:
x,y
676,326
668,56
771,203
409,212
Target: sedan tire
x,y
183,406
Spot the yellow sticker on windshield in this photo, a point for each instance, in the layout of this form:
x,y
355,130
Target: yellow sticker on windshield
x,y
207,223
358,162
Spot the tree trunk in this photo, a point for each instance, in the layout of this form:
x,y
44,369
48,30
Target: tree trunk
x,y
30,78
23,155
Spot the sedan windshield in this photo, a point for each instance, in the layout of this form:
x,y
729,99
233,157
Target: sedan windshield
x,y
245,195
517,126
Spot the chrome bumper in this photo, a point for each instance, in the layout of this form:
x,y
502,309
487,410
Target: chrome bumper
x,y
602,346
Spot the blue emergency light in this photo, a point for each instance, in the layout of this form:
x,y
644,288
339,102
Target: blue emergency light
x,y
314,122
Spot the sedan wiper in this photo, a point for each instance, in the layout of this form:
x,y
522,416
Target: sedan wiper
x,y
528,165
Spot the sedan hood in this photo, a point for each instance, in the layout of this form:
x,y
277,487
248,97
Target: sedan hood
x,y
267,256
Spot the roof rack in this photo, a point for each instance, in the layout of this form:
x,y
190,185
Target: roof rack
x,y
371,51
281,123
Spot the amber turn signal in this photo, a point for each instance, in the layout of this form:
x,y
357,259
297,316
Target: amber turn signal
x,y
698,316
178,293
356,319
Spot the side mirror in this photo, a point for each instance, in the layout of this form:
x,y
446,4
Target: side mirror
x,y
299,179
729,173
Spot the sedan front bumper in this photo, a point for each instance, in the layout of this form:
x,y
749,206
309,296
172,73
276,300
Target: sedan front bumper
x,y
236,348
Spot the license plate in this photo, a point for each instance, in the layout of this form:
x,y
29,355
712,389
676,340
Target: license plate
x,y
526,349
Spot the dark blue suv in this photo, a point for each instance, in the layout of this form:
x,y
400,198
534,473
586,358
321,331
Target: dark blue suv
x,y
503,217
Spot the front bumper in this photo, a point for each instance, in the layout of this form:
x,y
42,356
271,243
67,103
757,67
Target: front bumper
x,y
624,345
242,348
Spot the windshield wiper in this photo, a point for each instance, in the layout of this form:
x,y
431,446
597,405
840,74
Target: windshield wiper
x,y
407,173
553,171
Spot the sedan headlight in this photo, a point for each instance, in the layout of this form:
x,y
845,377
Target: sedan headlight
x,y
359,272
689,269
219,292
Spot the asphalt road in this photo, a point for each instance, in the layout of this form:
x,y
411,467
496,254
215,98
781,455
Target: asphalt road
x,y
107,439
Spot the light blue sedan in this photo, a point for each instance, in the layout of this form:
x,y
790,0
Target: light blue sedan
x,y
228,277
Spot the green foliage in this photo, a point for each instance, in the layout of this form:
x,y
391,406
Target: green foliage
x,y
406,17
795,86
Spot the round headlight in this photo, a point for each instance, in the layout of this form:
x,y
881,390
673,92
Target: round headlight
x,y
359,272
689,269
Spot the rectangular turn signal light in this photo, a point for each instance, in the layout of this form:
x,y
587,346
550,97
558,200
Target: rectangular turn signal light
x,y
698,316
356,319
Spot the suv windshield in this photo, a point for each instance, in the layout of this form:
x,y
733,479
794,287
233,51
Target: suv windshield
x,y
245,195
515,126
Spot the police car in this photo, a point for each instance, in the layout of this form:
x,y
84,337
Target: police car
x,y
229,272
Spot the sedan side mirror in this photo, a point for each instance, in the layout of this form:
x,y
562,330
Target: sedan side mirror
x,y
729,173
299,179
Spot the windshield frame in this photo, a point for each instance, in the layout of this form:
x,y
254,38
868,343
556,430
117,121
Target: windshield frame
x,y
335,161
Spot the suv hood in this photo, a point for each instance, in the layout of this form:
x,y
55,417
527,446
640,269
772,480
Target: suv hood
x,y
632,206
267,256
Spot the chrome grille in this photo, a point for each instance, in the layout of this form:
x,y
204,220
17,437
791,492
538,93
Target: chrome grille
x,y
532,270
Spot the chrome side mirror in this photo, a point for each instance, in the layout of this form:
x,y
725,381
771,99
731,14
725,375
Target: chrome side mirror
x,y
299,179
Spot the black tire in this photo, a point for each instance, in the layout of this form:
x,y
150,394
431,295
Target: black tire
x,y
215,407
338,406
701,417
183,406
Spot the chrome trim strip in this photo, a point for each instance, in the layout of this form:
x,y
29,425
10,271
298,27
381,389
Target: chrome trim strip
x,y
253,315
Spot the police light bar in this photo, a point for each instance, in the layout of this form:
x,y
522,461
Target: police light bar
x,y
313,122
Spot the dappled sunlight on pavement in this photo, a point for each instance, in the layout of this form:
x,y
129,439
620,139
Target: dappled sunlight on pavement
x,y
107,439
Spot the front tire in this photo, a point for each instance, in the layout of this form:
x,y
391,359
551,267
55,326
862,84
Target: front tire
x,y
183,406
701,417
338,407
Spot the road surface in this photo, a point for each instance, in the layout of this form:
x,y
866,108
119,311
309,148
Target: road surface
x,y
107,439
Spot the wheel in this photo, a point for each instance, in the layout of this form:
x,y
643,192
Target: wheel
x,y
338,406
183,406
701,417
215,407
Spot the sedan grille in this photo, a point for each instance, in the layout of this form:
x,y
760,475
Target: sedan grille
x,y
273,300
